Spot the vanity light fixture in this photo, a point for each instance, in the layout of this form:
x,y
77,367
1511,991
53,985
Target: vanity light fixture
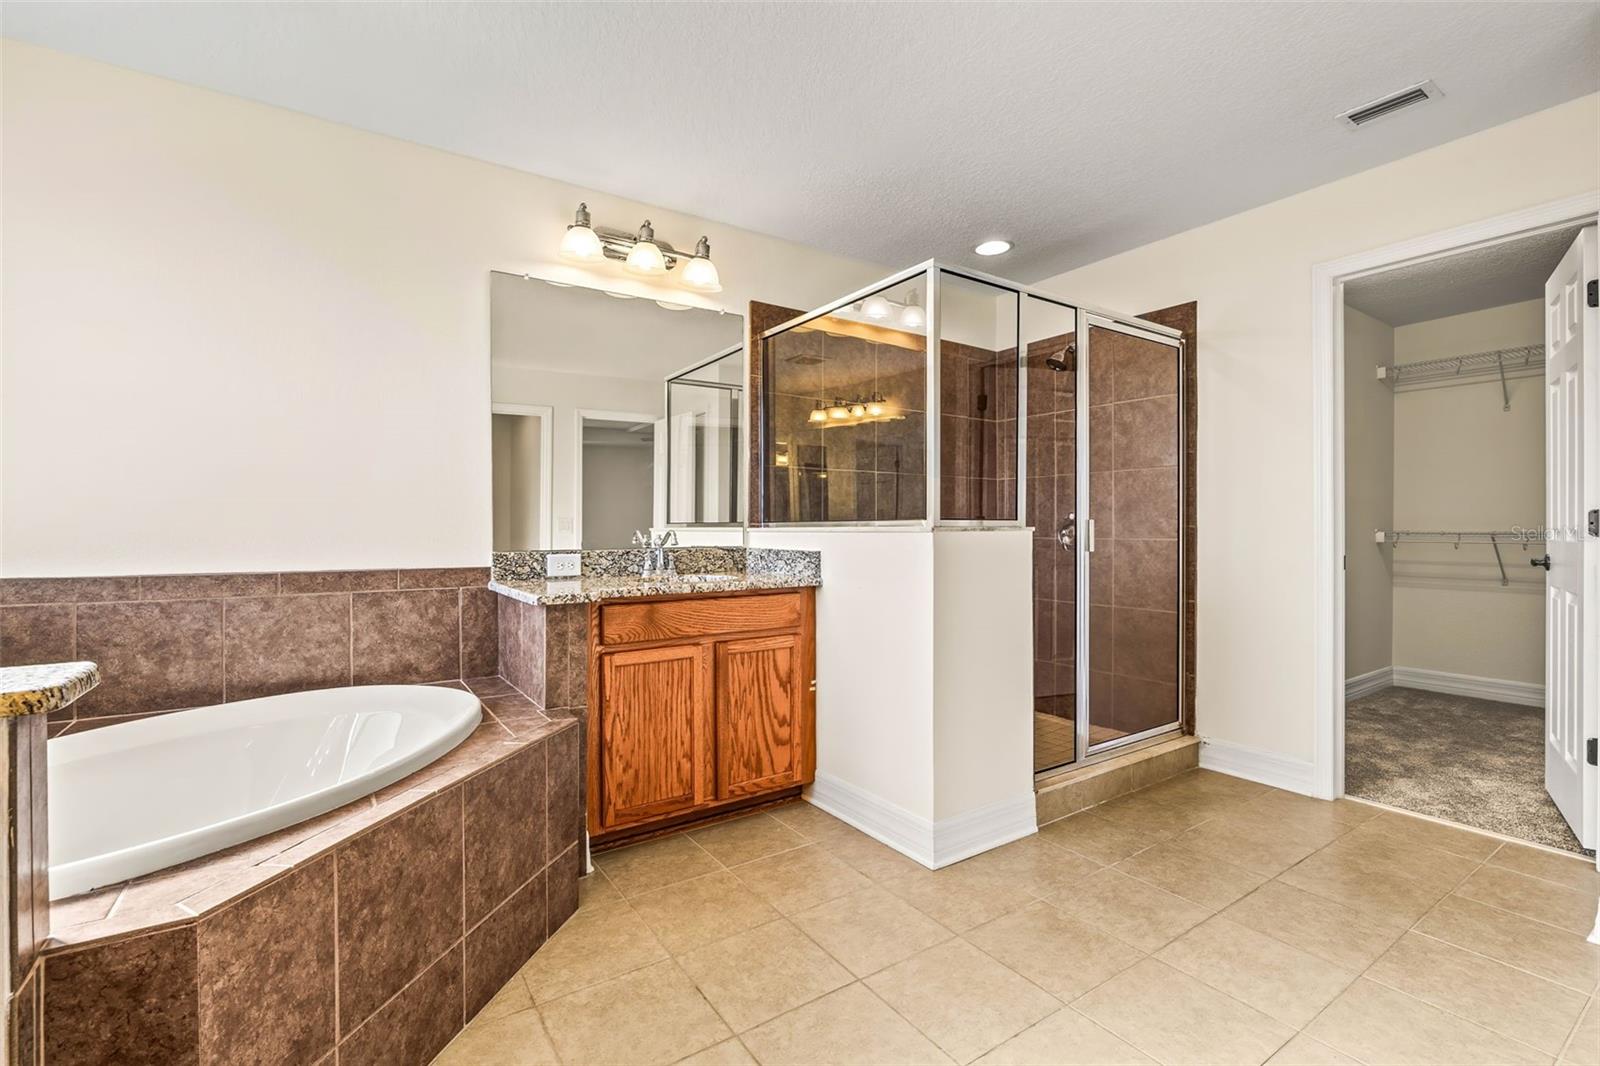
x,y
993,247
819,414
876,407
581,243
838,412
640,253
646,257
852,413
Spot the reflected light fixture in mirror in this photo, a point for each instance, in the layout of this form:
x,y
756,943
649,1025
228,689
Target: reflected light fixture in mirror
x,y
876,307
581,243
645,256
912,315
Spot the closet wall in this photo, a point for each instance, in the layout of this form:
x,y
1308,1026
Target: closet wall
x,y
1369,494
1461,462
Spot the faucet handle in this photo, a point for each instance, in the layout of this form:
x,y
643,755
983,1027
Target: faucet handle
x,y
669,537
640,540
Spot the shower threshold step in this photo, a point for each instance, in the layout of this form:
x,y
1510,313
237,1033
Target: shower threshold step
x,y
1074,789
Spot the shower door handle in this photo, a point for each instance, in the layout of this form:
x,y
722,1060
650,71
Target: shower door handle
x,y
1088,536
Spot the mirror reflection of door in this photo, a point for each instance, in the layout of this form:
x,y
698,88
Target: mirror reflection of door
x,y
521,465
618,490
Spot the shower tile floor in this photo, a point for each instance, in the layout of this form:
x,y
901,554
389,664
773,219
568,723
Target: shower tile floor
x,y
1204,919
1054,738
1477,762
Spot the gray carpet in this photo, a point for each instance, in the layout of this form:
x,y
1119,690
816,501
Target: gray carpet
x,y
1477,762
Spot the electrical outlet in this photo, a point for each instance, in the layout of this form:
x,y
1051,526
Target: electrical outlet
x,y
563,564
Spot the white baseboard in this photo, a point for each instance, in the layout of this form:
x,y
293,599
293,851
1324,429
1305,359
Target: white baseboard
x,y
933,844
1268,768
1368,683
1527,693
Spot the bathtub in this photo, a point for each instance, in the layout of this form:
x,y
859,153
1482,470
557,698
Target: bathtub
x,y
130,799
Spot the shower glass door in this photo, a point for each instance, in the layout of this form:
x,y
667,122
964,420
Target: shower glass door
x,y
1049,336
1130,412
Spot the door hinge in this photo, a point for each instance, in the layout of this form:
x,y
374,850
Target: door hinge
x,y
1594,751
1594,293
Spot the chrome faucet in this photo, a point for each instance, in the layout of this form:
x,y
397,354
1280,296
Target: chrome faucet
x,y
657,562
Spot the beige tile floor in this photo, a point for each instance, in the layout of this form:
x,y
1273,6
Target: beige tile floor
x,y
1203,920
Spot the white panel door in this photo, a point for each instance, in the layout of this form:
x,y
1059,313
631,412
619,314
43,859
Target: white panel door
x,y
1572,585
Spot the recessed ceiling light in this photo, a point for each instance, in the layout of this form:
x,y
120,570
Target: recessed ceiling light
x,y
995,247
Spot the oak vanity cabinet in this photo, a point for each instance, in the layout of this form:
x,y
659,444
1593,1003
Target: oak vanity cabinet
x,y
698,705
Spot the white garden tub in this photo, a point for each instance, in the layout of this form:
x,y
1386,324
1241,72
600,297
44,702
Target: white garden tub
x,y
129,799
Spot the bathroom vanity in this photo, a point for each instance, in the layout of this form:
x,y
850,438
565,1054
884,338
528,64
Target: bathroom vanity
x,y
698,705
698,688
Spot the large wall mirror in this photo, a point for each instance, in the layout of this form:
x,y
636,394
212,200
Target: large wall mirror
x,y
610,414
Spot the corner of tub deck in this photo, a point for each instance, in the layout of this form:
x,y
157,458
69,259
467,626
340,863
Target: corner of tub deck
x,y
40,689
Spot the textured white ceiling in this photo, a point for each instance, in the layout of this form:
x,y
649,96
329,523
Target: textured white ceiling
x,y
1504,273
886,132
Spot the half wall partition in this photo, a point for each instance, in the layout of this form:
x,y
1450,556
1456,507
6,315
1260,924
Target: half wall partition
x,y
907,404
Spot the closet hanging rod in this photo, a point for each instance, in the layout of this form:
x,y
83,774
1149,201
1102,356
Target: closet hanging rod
x,y
1503,363
1456,538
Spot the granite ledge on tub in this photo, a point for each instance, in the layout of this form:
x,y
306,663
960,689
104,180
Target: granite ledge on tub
x,y
611,575
41,689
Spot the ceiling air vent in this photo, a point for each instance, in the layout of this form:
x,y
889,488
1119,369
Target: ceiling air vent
x,y
1388,105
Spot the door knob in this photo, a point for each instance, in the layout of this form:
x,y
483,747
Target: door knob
x,y
1543,560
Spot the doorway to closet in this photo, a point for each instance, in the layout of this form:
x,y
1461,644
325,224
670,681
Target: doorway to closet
x,y
1456,429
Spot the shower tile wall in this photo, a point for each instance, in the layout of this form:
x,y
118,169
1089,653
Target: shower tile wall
x,y
1133,489
1052,488
862,473
977,433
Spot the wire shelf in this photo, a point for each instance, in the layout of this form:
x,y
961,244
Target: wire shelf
x,y
1457,537
1500,364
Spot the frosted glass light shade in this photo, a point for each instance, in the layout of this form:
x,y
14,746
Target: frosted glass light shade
x,y
913,316
646,258
700,274
876,307
581,244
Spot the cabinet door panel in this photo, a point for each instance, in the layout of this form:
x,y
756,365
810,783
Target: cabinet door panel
x,y
759,742
654,732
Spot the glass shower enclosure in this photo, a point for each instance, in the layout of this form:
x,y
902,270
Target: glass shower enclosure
x,y
942,397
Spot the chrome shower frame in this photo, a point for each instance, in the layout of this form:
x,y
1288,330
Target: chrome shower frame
x,y
932,272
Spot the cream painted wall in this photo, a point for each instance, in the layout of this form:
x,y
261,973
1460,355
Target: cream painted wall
x,y
518,525
1251,274
983,671
1369,494
268,334
1461,462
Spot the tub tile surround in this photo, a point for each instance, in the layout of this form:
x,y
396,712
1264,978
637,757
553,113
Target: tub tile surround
x,y
175,641
27,695
376,929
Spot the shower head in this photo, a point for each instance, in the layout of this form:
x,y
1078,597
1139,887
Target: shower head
x,y
1065,361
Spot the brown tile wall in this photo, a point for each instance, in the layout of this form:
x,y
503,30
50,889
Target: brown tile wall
x,y
1052,485
761,318
977,433
381,947
174,641
1185,319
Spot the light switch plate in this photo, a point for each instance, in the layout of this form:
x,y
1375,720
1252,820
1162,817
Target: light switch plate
x,y
563,564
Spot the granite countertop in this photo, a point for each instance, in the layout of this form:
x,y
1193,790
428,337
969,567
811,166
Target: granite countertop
x,y
557,590
41,689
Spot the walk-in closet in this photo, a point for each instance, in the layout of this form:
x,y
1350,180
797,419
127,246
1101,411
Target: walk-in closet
x,y
1448,439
